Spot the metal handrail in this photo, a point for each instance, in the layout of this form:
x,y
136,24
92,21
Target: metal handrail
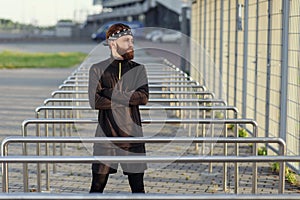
x,y
80,77
5,143
167,121
150,86
207,108
156,100
150,81
54,93
123,196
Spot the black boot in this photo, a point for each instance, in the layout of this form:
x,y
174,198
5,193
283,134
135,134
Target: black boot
x,y
98,183
136,182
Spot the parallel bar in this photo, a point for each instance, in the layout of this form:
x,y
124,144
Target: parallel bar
x,y
150,86
33,139
151,92
150,81
120,196
146,159
38,109
46,101
94,120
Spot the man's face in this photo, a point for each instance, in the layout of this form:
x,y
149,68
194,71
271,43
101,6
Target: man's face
x,y
124,46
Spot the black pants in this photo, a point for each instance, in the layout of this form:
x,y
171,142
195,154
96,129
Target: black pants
x,y
136,182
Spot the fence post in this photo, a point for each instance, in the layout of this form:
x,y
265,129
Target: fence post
x,y
221,50
245,60
236,51
256,60
268,78
284,69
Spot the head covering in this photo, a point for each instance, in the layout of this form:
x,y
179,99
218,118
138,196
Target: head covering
x,y
120,33
116,31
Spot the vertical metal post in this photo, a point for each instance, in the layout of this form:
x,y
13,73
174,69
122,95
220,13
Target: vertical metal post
x,y
4,152
256,60
221,50
221,91
38,150
236,167
25,165
245,59
47,154
254,165
215,46
204,44
284,68
282,151
184,41
268,79
236,51
228,50
201,41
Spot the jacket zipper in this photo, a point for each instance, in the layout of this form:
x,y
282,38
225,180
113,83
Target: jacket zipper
x,y
120,70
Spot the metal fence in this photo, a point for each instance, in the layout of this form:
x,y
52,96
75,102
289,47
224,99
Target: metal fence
x,y
247,52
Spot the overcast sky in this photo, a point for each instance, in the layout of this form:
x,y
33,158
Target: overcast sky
x,y
45,12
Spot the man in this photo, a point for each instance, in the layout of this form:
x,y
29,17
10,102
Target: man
x,y
117,86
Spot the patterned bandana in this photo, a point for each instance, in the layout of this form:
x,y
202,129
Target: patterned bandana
x,y
120,33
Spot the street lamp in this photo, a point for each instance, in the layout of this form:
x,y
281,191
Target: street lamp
x,y
185,8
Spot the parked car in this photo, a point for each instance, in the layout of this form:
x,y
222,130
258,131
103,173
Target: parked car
x,y
152,34
171,36
164,36
100,34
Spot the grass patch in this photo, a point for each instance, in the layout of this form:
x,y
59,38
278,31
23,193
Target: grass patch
x,y
13,60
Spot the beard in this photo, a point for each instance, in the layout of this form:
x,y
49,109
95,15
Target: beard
x,y
127,54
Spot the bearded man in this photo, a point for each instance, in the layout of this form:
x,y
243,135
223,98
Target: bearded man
x,y
117,86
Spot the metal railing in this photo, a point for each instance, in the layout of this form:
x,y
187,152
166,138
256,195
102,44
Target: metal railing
x,y
165,121
161,159
62,86
184,85
120,196
200,93
200,101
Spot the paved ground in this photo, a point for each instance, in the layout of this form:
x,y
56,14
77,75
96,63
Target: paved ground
x,y
25,89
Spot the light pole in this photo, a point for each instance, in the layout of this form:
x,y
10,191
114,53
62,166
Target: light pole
x,y
185,8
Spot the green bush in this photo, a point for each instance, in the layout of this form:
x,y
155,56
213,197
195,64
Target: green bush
x,y
243,132
275,167
289,175
230,126
291,178
262,151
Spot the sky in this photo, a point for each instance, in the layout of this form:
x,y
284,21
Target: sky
x,y
46,12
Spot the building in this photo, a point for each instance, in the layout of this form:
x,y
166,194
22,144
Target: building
x,y
153,13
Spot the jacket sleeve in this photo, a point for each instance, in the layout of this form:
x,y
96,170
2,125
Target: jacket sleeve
x,y
135,97
95,99
141,95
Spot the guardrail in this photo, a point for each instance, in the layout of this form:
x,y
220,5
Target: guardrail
x,y
200,101
154,74
166,121
200,93
7,141
62,86
186,108
120,196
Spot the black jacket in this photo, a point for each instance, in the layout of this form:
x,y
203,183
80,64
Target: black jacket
x,y
116,89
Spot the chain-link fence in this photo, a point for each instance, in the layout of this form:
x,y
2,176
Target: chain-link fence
x,y
247,52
